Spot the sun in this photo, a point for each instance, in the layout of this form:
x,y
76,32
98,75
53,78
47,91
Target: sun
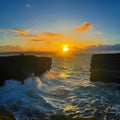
x,y
65,49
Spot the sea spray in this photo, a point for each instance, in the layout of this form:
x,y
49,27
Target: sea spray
x,y
23,98
33,82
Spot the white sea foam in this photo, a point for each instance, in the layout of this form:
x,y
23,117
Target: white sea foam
x,y
14,94
33,82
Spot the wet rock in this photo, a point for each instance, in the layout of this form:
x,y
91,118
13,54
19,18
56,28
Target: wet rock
x,y
22,66
6,115
64,117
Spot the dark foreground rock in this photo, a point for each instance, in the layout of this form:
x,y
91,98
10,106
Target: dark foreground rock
x,y
105,68
22,66
63,117
6,115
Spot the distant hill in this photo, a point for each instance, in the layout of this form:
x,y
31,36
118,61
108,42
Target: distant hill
x,y
104,48
28,53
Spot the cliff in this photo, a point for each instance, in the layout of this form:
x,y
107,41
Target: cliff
x,y
6,115
22,66
105,68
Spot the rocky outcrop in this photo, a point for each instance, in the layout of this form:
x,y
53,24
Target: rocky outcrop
x,y
105,68
6,115
22,66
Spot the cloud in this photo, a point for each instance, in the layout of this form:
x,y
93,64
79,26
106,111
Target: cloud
x,y
28,36
100,38
51,35
28,5
107,48
98,32
10,48
37,40
36,37
84,27
3,30
21,32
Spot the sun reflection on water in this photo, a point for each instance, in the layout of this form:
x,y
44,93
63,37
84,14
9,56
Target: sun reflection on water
x,y
69,107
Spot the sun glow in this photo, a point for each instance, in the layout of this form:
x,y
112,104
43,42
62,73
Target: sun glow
x,y
65,49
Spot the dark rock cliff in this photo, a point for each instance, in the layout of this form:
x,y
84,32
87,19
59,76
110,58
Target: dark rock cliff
x,y
22,66
6,115
105,68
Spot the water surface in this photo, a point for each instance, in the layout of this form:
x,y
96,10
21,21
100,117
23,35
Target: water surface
x,y
65,89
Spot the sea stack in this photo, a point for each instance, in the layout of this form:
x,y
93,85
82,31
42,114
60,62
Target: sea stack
x,y
105,68
22,66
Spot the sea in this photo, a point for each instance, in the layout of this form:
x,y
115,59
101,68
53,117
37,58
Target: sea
x,y
64,90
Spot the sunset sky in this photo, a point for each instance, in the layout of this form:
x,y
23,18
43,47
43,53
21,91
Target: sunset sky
x,y
48,25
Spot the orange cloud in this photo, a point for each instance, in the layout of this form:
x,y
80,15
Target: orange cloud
x,y
25,35
35,40
48,41
10,48
51,35
21,32
84,27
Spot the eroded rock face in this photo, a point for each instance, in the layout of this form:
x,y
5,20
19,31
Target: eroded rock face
x,y
6,115
105,68
22,66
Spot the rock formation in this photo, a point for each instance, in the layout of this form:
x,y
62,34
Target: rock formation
x,y
21,66
6,115
105,68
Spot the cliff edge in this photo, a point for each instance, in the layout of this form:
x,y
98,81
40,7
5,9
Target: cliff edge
x,y
21,66
105,68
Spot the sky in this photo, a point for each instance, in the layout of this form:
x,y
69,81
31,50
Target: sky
x,y
48,25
